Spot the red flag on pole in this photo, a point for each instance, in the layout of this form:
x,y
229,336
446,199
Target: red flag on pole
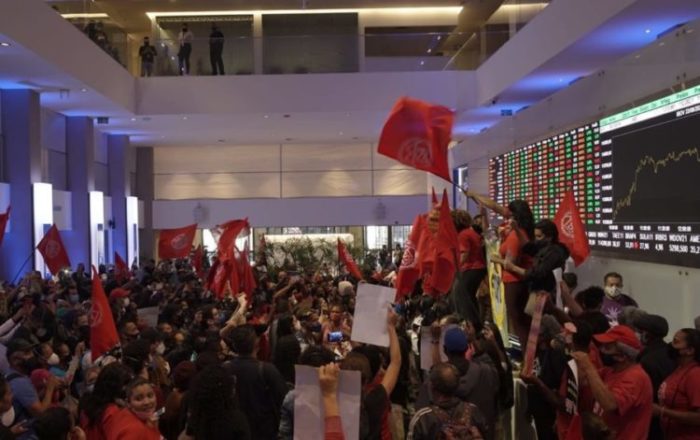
x,y
103,332
345,258
121,269
445,266
230,231
408,271
197,260
418,134
572,232
53,251
218,275
176,243
3,223
245,271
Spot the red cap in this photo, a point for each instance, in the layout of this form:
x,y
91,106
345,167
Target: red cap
x,y
118,293
619,333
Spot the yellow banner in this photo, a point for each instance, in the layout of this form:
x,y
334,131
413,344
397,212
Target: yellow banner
x,y
497,289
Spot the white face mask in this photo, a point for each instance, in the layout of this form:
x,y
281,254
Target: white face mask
x,y
53,359
160,349
612,291
126,302
8,417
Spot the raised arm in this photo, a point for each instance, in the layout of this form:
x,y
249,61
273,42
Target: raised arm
x,y
486,202
392,372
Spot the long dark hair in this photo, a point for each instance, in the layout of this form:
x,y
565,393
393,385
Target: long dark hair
x,y
212,404
521,213
692,340
549,229
109,386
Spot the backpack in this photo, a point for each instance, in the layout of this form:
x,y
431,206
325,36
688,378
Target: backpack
x,y
458,425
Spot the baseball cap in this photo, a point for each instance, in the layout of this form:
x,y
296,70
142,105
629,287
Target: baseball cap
x,y
18,344
619,333
118,293
455,340
654,324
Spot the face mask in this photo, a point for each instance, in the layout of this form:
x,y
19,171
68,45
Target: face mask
x,y
607,359
126,302
53,359
160,349
8,417
89,388
612,291
73,298
673,352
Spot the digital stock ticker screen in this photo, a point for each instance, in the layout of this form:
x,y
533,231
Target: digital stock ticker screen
x,y
634,175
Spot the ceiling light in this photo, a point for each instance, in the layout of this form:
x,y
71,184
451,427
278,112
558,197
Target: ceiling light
x,y
133,119
85,15
420,10
184,118
4,44
266,116
341,133
83,90
422,63
648,31
430,50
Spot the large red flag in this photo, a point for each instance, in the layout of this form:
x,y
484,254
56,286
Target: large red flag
x,y
230,231
418,134
345,258
103,332
176,243
3,223
53,251
572,232
197,260
408,271
445,267
121,269
218,275
433,199
245,271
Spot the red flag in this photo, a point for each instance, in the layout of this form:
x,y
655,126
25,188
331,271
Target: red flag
x,y
345,258
245,271
176,243
103,332
418,134
197,258
572,232
439,266
408,271
230,231
121,270
53,251
218,275
434,199
3,223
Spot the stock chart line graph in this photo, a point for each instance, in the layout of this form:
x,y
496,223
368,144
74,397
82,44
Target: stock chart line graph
x,y
656,166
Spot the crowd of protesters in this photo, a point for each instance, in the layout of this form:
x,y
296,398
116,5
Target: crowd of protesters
x,y
224,367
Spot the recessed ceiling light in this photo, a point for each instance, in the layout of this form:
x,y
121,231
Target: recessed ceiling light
x,y
637,56
266,116
439,37
4,44
341,133
647,31
184,118
83,90
133,119
430,50
422,63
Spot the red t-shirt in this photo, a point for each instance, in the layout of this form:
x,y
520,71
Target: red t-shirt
x,y
634,396
681,391
512,247
127,426
471,243
97,430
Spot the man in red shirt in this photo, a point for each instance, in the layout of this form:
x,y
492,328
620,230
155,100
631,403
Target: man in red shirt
x,y
622,390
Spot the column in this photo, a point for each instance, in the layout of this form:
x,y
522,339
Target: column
x,y
258,44
145,189
20,116
117,151
80,152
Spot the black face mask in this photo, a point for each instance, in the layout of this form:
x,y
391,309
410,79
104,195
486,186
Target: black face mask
x,y
607,359
673,352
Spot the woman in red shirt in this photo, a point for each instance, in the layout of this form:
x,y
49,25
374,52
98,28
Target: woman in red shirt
x,y
518,233
472,268
138,420
679,394
100,408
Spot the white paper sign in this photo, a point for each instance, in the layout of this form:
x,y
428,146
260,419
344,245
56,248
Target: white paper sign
x,y
558,278
369,321
309,416
426,346
149,315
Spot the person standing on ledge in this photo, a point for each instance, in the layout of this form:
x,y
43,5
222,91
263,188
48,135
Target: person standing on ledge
x,y
185,38
216,48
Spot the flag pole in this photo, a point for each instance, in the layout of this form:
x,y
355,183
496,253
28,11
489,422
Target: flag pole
x,y
22,266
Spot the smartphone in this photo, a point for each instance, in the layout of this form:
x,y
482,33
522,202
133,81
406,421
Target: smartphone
x,y
335,337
